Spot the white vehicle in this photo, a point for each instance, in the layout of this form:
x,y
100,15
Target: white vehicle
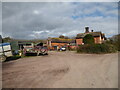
x,y
62,49
5,51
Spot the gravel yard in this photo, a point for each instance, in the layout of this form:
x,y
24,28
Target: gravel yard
x,y
62,70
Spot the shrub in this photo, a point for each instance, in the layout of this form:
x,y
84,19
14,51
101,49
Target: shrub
x,y
114,40
96,48
88,39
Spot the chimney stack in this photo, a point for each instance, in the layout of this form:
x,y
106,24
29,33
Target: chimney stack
x,y
86,29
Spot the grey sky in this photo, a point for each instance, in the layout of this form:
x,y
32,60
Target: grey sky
x,y
29,20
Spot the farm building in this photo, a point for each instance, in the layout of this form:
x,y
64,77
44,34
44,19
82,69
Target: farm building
x,y
57,43
99,37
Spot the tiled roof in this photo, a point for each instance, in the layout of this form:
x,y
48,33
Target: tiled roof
x,y
63,41
94,34
58,40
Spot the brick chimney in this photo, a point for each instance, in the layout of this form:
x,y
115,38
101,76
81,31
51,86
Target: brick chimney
x,y
86,29
91,30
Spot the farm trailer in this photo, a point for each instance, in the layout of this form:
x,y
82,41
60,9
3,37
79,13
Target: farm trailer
x,y
5,51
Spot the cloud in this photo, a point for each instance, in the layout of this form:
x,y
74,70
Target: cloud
x,y
61,1
0,18
27,20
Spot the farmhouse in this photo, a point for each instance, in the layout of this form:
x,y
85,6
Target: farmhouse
x,y
99,37
57,43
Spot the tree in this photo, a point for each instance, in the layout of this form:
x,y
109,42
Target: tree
x,y
6,39
66,37
88,39
61,36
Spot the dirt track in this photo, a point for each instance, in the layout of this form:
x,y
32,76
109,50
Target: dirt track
x,y
62,70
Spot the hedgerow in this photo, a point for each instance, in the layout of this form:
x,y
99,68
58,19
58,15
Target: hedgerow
x,y
96,48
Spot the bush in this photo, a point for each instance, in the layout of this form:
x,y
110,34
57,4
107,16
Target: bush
x,y
88,39
72,49
115,43
114,40
96,48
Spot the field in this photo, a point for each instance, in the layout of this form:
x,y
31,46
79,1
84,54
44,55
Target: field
x,y
62,70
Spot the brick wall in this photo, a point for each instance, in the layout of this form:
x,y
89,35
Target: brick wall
x,y
58,44
79,41
97,40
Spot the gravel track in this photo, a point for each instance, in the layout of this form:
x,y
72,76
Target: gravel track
x,y
62,70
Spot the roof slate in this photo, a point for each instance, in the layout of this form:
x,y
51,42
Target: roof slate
x,y
63,40
94,34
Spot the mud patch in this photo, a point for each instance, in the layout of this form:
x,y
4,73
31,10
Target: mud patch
x,y
56,71
50,76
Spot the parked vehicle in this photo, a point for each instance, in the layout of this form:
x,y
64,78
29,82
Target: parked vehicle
x,y
29,50
43,50
5,51
62,49
38,50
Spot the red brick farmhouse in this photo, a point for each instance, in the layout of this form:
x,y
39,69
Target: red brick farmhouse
x,y
99,37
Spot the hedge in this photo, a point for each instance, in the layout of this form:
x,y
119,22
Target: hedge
x,y
88,39
96,48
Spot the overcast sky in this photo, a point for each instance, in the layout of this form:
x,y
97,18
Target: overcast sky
x,y
28,20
